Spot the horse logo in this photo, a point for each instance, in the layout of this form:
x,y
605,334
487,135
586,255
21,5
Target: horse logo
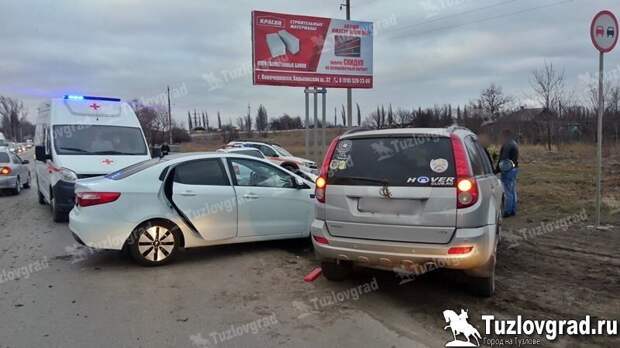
x,y
459,325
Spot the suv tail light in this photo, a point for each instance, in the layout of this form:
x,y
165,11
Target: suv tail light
x,y
5,171
321,182
466,185
86,199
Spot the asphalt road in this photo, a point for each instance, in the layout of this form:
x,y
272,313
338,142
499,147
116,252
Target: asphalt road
x,y
249,295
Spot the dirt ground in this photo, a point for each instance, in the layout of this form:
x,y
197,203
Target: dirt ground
x,y
551,265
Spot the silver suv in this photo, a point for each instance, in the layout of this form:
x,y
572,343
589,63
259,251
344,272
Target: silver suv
x,y
406,200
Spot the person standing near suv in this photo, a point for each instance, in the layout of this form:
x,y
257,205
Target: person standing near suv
x,y
508,166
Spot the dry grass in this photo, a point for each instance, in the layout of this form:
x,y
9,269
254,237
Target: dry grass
x,y
552,184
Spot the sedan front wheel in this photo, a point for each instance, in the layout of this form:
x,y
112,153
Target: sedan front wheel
x,y
154,243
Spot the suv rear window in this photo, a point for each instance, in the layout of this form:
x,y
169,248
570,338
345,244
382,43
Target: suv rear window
x,y
422,160
4,157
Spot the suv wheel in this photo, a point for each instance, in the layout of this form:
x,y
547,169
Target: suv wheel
x,y
485,286
154,243
336,271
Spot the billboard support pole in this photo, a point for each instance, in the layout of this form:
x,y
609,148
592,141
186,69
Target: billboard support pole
x,y
316,125
323,120
307,129
349,91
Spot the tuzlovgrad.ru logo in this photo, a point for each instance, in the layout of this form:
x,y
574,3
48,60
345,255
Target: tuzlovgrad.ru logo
x,y
520,331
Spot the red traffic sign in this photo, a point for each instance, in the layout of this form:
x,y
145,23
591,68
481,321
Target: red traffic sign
x,y
604,31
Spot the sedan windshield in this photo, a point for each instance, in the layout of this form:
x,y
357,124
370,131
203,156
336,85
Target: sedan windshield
x,y
282,151
98,140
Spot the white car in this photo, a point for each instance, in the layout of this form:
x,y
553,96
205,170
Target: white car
x,y
155,207
278,155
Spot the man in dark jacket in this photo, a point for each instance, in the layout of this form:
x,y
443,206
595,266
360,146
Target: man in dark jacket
x,y
508,166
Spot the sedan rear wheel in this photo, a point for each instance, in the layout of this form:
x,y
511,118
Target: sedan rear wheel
x,y
154,243
18,186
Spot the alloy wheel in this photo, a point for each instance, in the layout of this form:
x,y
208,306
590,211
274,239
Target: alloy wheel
x,y
156,243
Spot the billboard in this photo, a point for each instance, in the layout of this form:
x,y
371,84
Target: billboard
x,y
302,51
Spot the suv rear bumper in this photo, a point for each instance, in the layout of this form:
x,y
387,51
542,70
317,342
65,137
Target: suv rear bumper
x,y
406,256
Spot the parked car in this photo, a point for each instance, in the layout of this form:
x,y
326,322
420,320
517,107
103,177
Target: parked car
x,y
80,137
249,151
400,199
155,207
14,172
278,155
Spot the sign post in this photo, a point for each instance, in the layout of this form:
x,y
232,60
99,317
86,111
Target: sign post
x,y
604,35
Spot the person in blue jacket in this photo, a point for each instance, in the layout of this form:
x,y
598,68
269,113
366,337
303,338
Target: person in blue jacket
x,y
508,166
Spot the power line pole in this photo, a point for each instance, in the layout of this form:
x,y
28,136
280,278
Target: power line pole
x,y
169,118
349,91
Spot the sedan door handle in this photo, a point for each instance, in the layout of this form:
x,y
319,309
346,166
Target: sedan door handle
x,y
250,196
188,193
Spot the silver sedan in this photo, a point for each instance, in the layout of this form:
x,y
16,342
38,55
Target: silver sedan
x,y
14,172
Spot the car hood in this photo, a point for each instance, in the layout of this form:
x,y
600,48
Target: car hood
x,y
296,159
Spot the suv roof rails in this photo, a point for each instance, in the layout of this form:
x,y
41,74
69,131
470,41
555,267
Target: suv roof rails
x,y
255,141
357,130
455,127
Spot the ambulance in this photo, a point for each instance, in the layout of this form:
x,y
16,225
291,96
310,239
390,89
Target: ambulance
x,y
79,137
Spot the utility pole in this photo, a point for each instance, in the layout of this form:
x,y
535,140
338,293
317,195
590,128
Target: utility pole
x,y
349,91
169,118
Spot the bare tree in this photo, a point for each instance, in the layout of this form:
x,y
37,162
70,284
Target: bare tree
x,y
11,110
493,101
548,85
549,89
403,117
262,120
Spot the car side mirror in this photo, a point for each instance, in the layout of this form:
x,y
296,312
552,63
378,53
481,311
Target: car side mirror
x,y
39,153
25,162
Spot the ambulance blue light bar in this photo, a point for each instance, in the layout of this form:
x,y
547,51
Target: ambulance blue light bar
x,y
86,97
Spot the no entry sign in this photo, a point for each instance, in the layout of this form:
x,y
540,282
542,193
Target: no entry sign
x,y
604,31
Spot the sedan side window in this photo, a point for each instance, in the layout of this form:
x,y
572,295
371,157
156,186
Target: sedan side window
x,y
253,173
201,172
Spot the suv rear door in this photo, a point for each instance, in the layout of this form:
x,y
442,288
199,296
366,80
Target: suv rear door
x,y
392,188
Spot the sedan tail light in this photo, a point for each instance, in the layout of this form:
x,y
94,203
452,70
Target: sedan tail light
x,y
86,199
5,171
466,185
321,181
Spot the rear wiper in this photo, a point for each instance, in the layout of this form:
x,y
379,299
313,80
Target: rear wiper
x,y
363,178
74,149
